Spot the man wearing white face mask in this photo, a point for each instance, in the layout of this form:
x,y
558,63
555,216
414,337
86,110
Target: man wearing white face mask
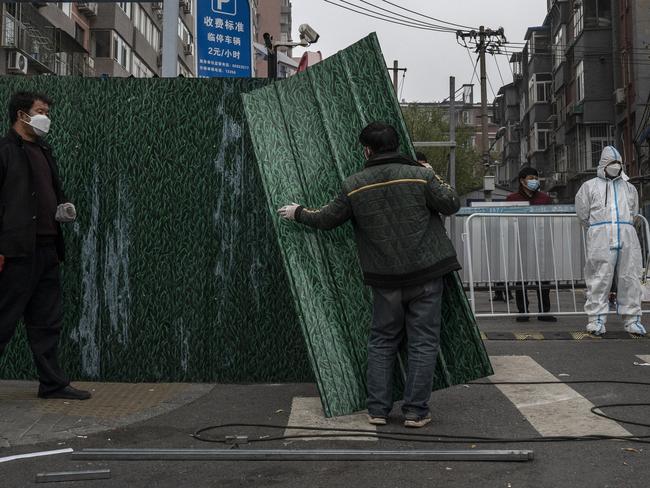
x,y
607,205
32,206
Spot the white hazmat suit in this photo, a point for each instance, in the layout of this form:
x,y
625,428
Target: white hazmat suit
x,y
607,207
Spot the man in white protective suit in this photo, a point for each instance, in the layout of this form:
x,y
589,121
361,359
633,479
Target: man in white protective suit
x,y
607,205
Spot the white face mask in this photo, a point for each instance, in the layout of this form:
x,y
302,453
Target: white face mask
x,y
40,123
614,170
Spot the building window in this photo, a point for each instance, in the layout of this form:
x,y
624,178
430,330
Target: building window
x,y
578,18
183,71
598,137
184,33
9,29
66,7
580,82
121,52
79,34
539,88
559,45
140,69
125,7
102,43
540,137
146,26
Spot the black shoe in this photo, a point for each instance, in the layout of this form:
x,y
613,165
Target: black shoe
x,y
67,393
547,318
522,319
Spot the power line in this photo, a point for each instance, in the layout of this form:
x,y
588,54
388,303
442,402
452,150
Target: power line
x,y
471,61
428,17
499,70
385,18
400,15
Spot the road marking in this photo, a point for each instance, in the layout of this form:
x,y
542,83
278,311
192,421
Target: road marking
x,y
553,410
644,357
308,412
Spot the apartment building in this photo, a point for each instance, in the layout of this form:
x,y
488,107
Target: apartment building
x,y
115,39
274,17
582,85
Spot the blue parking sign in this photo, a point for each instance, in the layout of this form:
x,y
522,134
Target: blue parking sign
x,y
224,39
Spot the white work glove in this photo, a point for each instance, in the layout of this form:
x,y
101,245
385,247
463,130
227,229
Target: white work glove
x,y
65,213
288,211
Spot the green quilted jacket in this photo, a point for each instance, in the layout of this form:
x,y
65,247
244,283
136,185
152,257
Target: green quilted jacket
x,y
395,206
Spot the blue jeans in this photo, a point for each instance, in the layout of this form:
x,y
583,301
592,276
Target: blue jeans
x,y
414,311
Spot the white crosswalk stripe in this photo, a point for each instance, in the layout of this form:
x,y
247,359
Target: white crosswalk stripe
x,y
553,410
644,357
308,412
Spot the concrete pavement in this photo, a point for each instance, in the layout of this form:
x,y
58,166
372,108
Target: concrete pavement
x,y
462,410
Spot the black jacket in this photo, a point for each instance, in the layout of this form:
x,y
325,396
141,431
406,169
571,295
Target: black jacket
x,y
395,206
18,199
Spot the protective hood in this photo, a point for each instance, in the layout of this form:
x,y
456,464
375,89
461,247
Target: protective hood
x,y
609,154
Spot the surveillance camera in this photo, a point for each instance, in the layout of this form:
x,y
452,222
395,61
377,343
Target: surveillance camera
x,y
308,34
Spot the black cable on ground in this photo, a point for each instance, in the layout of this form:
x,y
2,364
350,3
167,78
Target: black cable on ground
x,y
444,438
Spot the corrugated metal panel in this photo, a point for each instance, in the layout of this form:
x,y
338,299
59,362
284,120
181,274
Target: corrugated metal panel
x,y
305,131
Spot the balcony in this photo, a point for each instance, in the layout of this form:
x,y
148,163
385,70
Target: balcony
x,y
40,47
89,9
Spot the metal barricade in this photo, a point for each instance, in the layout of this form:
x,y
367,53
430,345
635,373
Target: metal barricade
x,y
504,253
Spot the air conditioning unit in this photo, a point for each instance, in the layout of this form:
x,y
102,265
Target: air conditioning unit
x,y
188,49
187,6
619,94
17,62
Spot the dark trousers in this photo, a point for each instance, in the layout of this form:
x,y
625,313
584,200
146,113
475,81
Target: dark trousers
x,y
543,300
30,288
414,311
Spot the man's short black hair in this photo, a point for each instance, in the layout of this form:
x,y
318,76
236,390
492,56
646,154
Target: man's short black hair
x,y
23,101
379,137
420,156
527,171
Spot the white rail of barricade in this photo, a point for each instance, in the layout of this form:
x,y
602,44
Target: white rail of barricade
x,y
547,255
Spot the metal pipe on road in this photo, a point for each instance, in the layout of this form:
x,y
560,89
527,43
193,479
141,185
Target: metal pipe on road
x,y
298,455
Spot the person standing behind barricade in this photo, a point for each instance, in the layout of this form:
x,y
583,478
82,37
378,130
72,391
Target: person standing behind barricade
x,y
421,158
395,206
529,192
607,205
32,206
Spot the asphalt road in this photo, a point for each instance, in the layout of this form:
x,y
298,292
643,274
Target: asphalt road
x,y
467,410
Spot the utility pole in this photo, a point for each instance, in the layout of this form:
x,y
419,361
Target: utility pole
x,y
452,131
484,113
490,41
169,38
271,57
395,69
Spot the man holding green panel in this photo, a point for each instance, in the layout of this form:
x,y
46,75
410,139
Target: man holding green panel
x,y
395,206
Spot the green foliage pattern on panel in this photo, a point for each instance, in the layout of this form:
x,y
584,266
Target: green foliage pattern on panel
x,y
172,270
305,133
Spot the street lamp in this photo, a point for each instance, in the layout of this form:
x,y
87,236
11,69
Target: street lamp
x,y
308,36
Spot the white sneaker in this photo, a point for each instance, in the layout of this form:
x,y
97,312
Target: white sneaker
x,y
635,328
596,327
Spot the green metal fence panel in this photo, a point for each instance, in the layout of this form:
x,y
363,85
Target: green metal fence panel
x,y
172,269
305,132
